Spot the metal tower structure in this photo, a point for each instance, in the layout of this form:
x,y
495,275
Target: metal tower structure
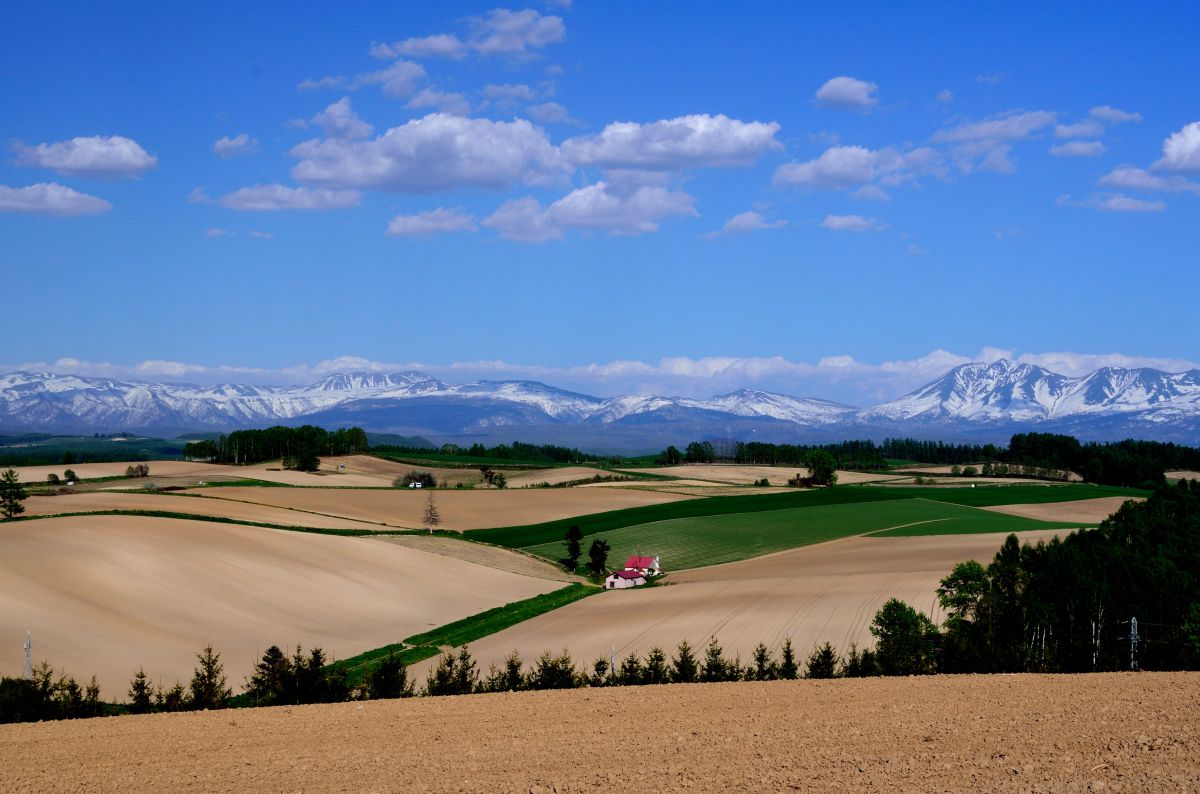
x,y
27,674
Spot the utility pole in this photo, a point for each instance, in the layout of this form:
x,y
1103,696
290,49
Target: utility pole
x,y
27,674
1133,644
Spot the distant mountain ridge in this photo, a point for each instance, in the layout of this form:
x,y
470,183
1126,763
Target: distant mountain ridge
x,y
971,401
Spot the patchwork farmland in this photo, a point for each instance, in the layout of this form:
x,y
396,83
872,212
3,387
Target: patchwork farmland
x,y
113,575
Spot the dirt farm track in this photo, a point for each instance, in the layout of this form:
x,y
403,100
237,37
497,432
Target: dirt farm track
x,y
1111,732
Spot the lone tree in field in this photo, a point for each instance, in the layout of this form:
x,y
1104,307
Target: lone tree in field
x,y
598,557
12,493
572,538
822,468
432,517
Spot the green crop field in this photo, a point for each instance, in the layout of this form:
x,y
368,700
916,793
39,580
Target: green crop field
x,y
984,495
708,540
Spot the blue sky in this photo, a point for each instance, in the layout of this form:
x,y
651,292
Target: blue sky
x,y
827,199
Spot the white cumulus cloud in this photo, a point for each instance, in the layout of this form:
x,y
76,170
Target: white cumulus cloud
x,y
550,113
1181,151
840,167
95,156
847,92
1113,115
750,222
50,198
987,144
1131,178
852,223
1088,128
600,207
281,197
1114,202
499,32
397,80
511,91
436,221
226,147
441,45
504,32
672,144
340,121
446,102
437,152
1078,149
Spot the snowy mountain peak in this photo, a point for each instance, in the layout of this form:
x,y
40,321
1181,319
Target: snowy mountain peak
x,y
367,381
974,398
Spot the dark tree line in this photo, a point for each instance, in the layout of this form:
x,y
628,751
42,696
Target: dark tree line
x,y
301,444
516,451
1136,464
1065,606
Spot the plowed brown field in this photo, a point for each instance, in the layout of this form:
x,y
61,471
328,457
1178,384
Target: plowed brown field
x,y
461,510
107,594
744,475
827,592
94,501
1116,732
1085,511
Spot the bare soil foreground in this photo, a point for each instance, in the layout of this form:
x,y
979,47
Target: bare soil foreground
x,y
107,594
826,592
1113,732
1085,511
460,510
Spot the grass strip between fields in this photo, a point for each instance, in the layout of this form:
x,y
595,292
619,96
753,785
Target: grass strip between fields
x,y
212,519
427,644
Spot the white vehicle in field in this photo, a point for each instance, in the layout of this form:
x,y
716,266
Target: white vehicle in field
x,y
415,485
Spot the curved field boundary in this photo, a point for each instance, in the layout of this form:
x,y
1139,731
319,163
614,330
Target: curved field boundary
x,y
983,496
211,519
702,541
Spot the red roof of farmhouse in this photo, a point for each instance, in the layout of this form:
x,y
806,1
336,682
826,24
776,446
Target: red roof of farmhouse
x,y
627,574
639,562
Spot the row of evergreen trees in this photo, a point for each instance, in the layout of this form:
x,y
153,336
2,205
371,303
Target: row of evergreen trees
x,y
273,443
1137,464
517,451
1067,605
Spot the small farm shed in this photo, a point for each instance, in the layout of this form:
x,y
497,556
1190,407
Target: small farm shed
x,y
647,566
618,580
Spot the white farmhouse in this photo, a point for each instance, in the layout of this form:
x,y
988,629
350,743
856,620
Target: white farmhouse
x,y
618,580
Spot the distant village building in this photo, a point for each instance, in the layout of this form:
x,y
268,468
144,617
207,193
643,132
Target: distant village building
x,y
646,566
618,580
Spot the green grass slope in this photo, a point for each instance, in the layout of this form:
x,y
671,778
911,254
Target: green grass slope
x,y
698,541
982,496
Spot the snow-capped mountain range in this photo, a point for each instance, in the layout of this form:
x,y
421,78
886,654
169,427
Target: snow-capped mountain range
x,y
972,401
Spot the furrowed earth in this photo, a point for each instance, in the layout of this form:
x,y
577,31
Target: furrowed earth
x,y
1111,732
